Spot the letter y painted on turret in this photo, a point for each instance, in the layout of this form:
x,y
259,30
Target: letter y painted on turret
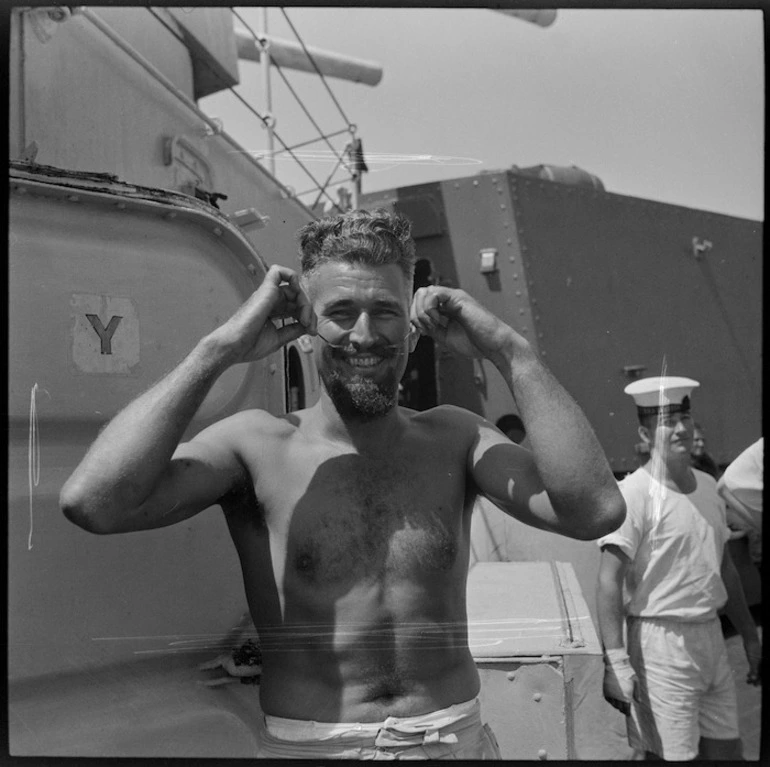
x,y
105,336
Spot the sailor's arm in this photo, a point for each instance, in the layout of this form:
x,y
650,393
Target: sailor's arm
x,y
609,597
567,485
136,475
619,677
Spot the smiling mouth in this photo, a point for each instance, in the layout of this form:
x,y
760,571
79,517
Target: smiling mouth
x,y
364,362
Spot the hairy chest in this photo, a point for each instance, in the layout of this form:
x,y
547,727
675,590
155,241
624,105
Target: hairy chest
x,y
348,518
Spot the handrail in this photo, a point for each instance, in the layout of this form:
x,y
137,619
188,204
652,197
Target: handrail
x,y
126,47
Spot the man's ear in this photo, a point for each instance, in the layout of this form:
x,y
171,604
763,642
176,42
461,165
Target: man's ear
x,y
644,434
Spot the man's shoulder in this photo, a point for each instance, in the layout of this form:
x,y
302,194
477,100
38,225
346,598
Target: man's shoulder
x,y
248,423
445,416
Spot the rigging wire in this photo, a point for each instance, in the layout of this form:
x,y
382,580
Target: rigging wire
x,y
340,160
252,110
310,191
288,84
339,155
315,66
314,140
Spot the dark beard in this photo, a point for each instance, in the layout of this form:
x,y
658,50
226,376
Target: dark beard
x,y
359,398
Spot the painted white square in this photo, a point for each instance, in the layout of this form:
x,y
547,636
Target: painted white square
x,y
105,336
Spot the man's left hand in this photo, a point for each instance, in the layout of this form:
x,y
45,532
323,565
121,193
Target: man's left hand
x,y
753,650
461,324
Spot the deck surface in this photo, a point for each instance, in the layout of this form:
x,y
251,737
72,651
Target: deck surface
x,y
157,711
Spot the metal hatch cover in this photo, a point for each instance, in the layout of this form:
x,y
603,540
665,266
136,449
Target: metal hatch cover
x,y
110,278
110,285
104,188
527,609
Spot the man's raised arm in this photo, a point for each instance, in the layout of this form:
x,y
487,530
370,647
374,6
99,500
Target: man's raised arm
x,y
565,485
136,475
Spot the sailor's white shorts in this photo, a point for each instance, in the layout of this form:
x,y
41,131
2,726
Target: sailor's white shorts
x,y
686,687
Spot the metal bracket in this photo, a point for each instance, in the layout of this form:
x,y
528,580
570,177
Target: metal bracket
x,y
488,260
215,128
191,166
250,218
45,21
699,247
633,371
30,152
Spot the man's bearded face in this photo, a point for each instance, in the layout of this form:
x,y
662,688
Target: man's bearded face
x,y
358,396
363,335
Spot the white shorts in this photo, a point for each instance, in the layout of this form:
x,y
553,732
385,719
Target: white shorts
x,y
686,687
451,733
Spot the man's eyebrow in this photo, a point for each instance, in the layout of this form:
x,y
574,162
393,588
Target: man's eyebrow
x,y
388,303
339,303
344,303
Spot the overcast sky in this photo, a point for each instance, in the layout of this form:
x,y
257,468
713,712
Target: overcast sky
x,y
661,104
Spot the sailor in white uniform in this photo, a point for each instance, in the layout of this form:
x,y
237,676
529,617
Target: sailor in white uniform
x,y
664,575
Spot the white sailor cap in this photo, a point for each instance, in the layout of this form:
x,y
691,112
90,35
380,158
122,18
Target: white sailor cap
x,y
662,394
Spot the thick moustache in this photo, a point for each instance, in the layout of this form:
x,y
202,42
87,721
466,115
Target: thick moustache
x,y
380,348
350,351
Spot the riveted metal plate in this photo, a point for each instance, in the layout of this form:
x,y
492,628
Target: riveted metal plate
x,y
481,215
614,281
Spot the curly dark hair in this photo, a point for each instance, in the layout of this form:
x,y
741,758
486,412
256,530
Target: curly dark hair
x,y
375,237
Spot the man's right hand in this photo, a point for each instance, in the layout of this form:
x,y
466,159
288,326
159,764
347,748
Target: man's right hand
x,y
620,682
137,475
461,324
250,334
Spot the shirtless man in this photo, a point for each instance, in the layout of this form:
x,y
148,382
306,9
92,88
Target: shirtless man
x,y
352,518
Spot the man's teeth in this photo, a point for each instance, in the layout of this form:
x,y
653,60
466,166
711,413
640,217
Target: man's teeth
x,y
364,362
